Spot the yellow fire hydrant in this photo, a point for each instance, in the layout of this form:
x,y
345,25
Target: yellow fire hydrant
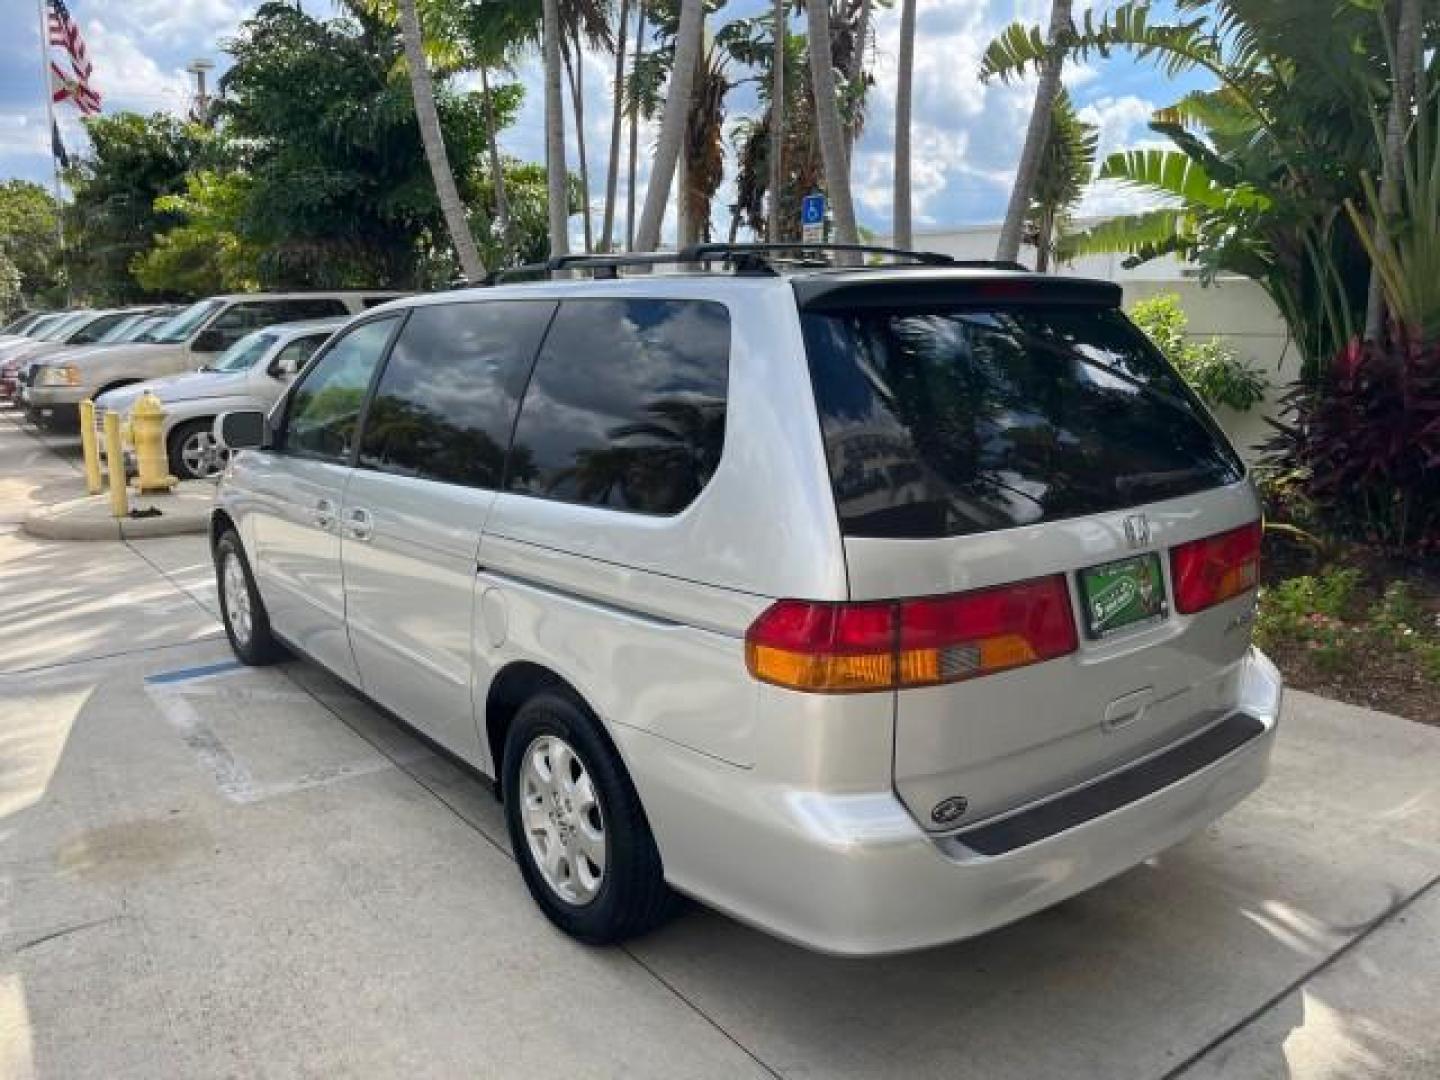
x,y
147,432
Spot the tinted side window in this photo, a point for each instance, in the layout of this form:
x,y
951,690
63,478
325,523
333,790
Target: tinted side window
x,y
324,409
446,401
310,307
626,408
96,328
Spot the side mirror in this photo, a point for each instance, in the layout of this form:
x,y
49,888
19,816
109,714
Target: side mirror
x,y
211,340
241,430
278,369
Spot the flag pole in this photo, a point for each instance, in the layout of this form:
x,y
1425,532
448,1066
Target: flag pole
x,y
48,90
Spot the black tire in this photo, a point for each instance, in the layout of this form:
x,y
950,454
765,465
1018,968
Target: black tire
x,y
176,443
258,646
632,898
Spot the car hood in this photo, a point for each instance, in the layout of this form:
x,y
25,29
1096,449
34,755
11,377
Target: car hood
x,y
133,350
191,386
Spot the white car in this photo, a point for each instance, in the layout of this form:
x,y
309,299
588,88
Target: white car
x,y
251,374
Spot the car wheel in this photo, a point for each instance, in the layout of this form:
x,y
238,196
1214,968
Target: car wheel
x,y
576,825
194,452
246,623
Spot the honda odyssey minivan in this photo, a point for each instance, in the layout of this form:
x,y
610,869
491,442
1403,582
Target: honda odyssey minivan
x,y
876,607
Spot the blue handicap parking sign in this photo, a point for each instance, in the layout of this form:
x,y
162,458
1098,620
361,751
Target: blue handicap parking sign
x,y
812,210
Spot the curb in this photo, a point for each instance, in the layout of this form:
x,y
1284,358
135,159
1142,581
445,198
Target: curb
x,y
88,519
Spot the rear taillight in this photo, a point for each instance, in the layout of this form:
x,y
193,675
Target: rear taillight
x,y
1218,568
846,648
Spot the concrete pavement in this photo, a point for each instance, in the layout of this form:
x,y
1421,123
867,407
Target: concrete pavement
x,y
207,870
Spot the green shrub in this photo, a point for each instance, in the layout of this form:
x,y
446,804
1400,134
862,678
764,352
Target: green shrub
x,y
1210,367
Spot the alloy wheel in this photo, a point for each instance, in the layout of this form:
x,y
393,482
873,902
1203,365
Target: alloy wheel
x,y
563,823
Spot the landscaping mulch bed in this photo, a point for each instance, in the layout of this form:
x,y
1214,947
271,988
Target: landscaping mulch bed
x,y
1378,672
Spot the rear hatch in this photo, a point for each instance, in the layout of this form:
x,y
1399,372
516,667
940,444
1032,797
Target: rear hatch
x,y
984,433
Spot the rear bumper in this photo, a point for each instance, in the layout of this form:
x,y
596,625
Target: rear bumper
x,y
852,874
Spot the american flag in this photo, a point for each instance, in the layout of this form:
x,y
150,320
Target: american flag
x,y
65,34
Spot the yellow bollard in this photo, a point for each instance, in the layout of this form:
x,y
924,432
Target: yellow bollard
x,y
115,461
147,432
89,446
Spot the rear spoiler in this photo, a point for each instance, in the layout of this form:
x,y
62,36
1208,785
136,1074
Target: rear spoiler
x,y
910,291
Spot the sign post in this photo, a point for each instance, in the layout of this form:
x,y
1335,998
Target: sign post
x,y
812,218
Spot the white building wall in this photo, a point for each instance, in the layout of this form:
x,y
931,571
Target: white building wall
x,y
1236,310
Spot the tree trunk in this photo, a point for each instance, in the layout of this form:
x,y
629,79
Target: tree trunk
x,y
471,265
857,72
672,127
827,121
497,168
617,120
1008,250
1408,37
574,58
777,122
634,132
557,180
904,92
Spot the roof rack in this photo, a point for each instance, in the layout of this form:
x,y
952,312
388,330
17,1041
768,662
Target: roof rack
x,y
747,259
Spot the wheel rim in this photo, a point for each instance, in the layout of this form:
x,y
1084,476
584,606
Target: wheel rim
x,y
563,823
201,455
237,598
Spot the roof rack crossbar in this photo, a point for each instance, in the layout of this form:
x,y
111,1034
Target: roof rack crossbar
x,y
746,258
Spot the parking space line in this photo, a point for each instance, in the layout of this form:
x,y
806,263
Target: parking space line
x,y
186,674
505,851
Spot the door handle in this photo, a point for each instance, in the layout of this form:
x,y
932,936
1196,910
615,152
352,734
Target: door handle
x,y
323,514
359,525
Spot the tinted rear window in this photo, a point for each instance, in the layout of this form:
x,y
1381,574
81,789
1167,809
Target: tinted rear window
x,y
959,421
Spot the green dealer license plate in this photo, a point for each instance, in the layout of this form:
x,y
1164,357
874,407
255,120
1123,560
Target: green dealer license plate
x,y
1123,593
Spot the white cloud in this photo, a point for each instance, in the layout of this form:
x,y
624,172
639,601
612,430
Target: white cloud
x,y
128,78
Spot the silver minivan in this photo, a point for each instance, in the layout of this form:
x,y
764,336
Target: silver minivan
x,y
876,607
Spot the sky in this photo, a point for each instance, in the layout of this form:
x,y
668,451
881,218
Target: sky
x,y
966,136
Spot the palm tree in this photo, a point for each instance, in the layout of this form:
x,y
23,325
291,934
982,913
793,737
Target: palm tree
x,y
557,174
585,22
904,234
617,123
1008,249
672,127
777,120
1406,62
827,120
428,117
634,111
1066,165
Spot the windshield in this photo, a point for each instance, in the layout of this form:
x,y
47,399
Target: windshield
x,y
960,421
187,322
119,330
62,326
145,329
243,354
20,325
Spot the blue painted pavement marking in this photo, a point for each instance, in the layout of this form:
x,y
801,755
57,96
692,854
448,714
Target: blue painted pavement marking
x,y
185,674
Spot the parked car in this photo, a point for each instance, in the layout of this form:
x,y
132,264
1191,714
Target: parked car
x,y
251,374
82,331
193,337
48,329
877,607
136,326
22,322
